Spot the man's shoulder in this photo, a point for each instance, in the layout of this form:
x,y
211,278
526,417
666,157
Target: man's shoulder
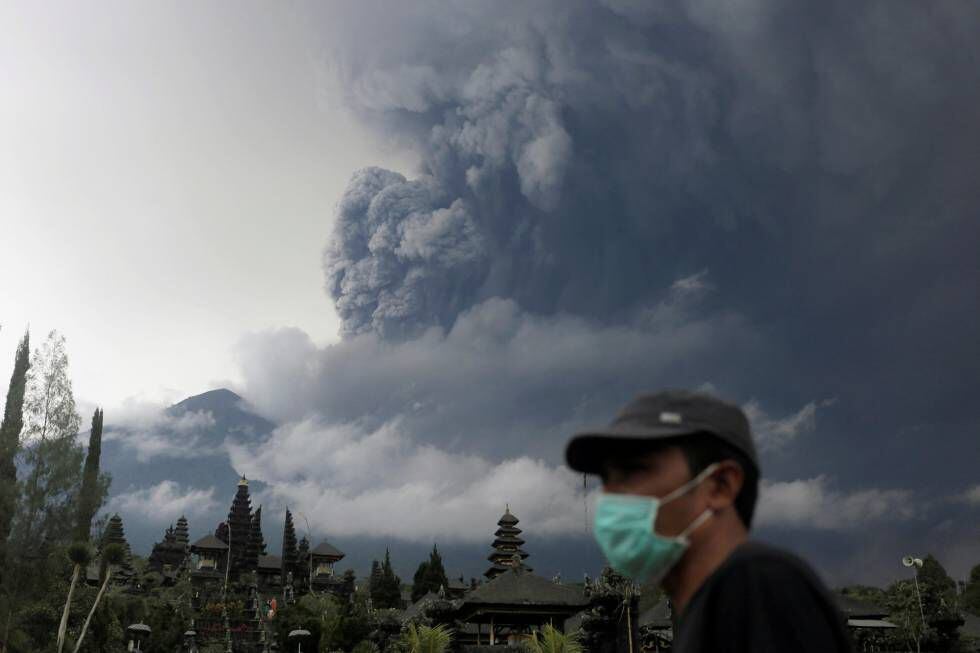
x,y
762,561
755,552
762,598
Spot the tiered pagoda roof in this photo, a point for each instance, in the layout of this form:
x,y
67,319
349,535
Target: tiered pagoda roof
x,y
517,596
239,528
270,564
290,556
182,533
327,551
171,551
507,552
209,543
115,534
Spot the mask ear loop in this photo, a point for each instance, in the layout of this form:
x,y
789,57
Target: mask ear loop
x,y
694,482
706,515
703,517
684,489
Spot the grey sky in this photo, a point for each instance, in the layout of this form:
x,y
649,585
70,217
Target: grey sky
x,y
167,179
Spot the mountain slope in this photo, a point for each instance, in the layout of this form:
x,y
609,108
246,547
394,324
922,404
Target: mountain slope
x,y
169,462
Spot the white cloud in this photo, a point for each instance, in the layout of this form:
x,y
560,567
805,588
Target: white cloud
x,y
164,498
506,381
815,503
774,433
432,436
696,283
349,480
971,495
149,431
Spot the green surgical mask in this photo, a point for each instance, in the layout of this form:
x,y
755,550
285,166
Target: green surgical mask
x,y
624,530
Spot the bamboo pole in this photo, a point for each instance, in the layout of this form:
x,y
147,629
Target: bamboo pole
x,y
95,604
64,615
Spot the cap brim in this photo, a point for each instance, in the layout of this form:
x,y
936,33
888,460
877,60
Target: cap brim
x,y
587,451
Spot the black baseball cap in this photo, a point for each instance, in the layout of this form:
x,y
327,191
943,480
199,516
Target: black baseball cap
x,y
660,416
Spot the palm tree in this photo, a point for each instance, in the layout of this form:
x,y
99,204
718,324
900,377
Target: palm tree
x,y
111,556
552,640
423,639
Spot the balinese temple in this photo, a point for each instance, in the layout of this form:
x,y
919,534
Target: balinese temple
x,y
323,558
240,529
290,555
303,562
170,555
211,558
507,552
458,587
515,603
123,573
255,546
182,533
270,573
236,588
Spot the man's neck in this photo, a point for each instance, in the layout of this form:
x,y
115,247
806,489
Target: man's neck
x,y
712,549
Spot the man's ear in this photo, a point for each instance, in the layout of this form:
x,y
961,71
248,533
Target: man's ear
x,y
725,484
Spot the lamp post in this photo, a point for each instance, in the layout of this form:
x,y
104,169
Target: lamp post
x,y
298,636
137,633
916,565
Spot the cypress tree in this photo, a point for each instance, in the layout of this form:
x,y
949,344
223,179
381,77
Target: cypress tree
x,y
88,496
89,499
374,582
436,578
970,599
420,585
430,576
390,594
10,428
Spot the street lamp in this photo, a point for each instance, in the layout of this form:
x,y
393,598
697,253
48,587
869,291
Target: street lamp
x,y
137,633
298,636
916,564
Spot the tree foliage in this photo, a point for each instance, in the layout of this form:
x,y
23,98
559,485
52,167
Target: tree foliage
x,y
386,587
970,599
51,454
37,567
333,625
551,640
10,428
92,492
427,639
430,576
939,608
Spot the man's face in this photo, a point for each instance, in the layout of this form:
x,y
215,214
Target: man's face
x,y
656,473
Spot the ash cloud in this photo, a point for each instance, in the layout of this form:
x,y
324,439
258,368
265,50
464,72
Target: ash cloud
x,y
502,381
402,253
603,150
583,163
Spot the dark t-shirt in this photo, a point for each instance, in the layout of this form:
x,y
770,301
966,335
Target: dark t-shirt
x,y
761,599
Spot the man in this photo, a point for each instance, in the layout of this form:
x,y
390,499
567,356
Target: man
x,y
680,479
